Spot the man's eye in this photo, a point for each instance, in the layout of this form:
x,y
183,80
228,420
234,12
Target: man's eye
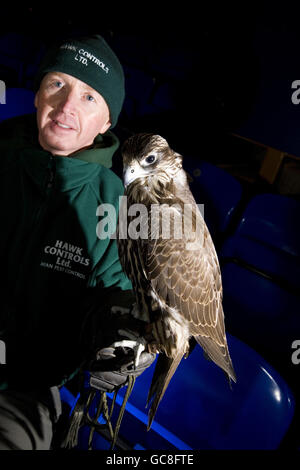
x,y
90,98
58,84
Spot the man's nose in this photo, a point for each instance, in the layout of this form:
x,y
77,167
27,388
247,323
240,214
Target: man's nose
x,y
68,102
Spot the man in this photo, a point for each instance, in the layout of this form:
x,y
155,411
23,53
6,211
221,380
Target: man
x,y
61,279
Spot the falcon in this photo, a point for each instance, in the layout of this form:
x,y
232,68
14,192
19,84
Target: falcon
x,y
171,262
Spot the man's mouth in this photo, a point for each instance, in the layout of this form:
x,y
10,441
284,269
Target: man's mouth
x,y
63,126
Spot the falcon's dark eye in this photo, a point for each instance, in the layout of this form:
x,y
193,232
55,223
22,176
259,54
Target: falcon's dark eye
x,y
150,159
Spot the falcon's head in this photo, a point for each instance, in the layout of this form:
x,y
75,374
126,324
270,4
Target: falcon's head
x,y
149,157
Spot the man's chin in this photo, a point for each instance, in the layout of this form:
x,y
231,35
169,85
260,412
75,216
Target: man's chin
x,y
57,146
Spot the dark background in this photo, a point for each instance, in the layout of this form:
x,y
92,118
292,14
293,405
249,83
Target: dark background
x,y
194,73
215,80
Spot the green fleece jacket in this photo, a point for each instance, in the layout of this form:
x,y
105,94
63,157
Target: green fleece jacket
x,y
54,266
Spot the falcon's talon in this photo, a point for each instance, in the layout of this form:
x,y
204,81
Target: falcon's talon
x,y
135,342
138,351
125,343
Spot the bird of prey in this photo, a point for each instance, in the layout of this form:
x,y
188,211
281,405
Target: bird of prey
x,y
173,265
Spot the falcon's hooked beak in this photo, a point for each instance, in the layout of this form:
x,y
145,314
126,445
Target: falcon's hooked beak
x,y
132,172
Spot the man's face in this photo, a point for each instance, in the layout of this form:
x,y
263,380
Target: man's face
x,y
69,114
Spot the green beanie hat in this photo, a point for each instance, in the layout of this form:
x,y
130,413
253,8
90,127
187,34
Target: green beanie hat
x,y
92,61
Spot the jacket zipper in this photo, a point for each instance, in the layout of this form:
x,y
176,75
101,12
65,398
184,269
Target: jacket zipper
x,y
49,183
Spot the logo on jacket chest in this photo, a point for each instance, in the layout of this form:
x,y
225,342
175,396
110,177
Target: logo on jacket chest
x,y
66,257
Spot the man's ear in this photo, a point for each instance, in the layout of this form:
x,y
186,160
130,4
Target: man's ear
x,y
105,127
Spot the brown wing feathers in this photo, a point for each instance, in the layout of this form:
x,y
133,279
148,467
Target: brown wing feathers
x,y
184,280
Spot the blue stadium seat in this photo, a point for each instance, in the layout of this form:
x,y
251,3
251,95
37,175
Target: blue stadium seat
x,y
219,191
261,277
268,237
18,101
200,411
